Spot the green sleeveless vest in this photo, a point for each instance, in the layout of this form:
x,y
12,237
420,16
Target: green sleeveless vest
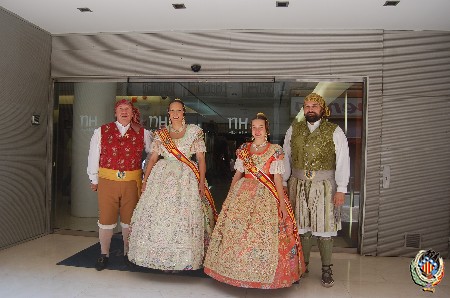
x,y
313,151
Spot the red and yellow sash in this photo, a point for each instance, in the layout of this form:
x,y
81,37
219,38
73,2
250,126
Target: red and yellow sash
x,y
172,148
262,177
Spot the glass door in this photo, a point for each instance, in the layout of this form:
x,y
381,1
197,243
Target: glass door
x,y
223,108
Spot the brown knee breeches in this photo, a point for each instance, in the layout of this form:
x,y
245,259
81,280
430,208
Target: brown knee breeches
x,y
115,197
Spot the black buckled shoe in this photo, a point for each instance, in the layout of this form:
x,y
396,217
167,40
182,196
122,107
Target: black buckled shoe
x,y
327,279
102,262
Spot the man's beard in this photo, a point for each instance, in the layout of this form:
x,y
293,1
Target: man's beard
x,y
312,117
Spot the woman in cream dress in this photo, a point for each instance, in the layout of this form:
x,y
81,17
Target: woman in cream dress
x,y
170,227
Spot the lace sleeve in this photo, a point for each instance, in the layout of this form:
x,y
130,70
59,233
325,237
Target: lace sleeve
x,y
277,165
199,142
239,165
156,145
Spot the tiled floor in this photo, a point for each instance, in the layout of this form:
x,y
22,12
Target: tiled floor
x,y
30,270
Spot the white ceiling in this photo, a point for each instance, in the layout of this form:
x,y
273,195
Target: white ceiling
x,y
62,16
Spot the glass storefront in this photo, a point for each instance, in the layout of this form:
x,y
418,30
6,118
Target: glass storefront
x,y
223,109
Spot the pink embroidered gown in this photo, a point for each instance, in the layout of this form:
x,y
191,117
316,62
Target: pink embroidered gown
x,y
251,245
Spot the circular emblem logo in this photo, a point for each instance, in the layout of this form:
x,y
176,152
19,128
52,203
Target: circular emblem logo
x,y
427,269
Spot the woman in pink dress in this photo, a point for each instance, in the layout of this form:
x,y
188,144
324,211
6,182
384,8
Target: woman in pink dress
x,y
255,242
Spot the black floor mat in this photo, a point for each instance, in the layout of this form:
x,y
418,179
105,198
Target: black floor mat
x,y
87,258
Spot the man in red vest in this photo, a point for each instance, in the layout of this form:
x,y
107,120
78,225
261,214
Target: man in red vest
x,y
115,171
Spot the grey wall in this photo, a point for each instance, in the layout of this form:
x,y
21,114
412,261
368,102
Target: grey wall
x,y
415,142
24,90
408,103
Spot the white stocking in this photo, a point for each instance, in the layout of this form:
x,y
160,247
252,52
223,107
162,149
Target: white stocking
x,y
125,234
105,236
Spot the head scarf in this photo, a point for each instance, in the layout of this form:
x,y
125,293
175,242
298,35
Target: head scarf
x,y
136,115
123,102
319,99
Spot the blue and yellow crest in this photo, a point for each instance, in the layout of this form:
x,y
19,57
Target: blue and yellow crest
x,y
121,174
427,269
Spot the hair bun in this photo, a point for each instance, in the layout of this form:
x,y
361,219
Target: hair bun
x,y
260,114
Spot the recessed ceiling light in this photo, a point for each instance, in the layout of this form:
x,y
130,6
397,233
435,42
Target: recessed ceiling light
x,y
282,3
84,9
391,3
179,6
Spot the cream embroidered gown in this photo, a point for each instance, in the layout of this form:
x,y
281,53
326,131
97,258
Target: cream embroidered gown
x,y
167,228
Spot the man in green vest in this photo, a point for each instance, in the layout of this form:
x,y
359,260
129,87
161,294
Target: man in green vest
x,y
316,178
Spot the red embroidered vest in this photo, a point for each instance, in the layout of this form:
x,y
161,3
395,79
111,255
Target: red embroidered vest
x,y
121,153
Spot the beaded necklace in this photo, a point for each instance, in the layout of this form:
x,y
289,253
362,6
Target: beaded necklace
x,y
171,129
259,146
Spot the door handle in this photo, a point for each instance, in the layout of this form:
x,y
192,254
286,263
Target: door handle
x,y
386,176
